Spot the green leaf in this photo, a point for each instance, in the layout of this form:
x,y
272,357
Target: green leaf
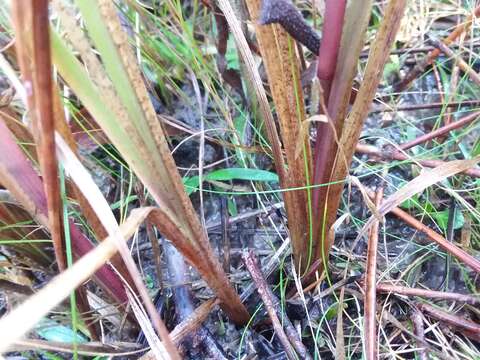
x,y
476,149
232,207
192,183
441,218
232,55
52,331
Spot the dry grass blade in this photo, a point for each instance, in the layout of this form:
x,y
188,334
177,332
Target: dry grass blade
x,y
93,194
279,56
156,346
377,153
116,96
62,127
24,317
255,79
20,178
371,345
30,20
420,183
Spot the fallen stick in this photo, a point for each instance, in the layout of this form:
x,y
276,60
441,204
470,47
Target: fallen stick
x,y
431,294
390,155
273,309
466,327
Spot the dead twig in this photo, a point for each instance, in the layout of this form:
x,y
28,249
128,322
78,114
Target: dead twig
x,y
431,294
432,55
273,309
460,254
419,331
440,131
466,327
462,64
371,347
377,153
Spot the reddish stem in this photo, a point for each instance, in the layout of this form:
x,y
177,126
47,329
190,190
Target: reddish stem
x,y
440,131
370,287
330,44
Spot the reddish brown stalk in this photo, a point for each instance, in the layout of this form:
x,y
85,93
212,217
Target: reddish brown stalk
x,y
437,105
468,328
287,337
467,69
370,288
431,294
32,33
419,331
440,131
432,55
336,73
460,254
18,176
352,128
330,44
375,152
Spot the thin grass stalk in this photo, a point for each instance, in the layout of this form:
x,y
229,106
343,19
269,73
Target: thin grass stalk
x,y
35,53
354,123
282,65
370,311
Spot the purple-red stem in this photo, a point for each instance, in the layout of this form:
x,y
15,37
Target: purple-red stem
x,y
325,146
330,44
20,178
